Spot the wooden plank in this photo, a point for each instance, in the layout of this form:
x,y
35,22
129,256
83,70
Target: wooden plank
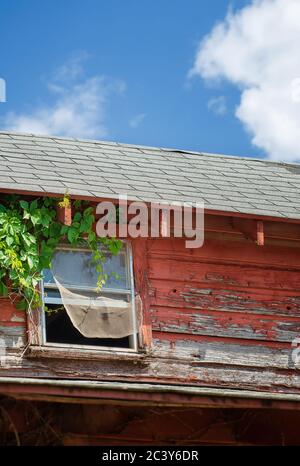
x,y
190,348
13,336
228,252
272,229
229,324
260,234
231,275
159,370
9,313
140,266
64,214
178,294
184,348
253,229
282,230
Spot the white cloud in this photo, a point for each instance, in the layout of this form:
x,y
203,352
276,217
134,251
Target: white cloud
x,y
73,69
2,90
217,105
79,106
257,49
135,121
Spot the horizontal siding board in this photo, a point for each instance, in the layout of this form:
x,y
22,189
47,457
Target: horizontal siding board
x,y
225,290
171,293
223,316
223,353
12,325
232,325
13,336
9,313
159,370
231,275
233,252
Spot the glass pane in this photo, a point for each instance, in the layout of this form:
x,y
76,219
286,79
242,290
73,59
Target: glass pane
x,y
51,293
76,268
54,293
48,278
115,267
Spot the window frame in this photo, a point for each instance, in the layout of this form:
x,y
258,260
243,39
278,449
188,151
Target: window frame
x,y
133,339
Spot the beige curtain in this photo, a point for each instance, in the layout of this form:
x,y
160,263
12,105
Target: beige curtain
x,y
100,316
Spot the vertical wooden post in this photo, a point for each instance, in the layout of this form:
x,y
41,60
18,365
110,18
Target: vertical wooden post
x,y
64,215
260,236
164,220
140,266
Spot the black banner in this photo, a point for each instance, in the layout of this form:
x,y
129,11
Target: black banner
x,y
90,456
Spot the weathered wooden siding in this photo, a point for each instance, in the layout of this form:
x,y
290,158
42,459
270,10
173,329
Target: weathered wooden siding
x,y
234,290
223,315
13,326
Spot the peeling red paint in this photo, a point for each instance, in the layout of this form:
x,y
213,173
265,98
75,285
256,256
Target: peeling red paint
x,y
223,315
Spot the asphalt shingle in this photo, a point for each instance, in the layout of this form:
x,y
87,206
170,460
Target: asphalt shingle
x,y
105,169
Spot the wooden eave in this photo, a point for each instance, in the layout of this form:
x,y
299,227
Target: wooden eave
x,y
140,394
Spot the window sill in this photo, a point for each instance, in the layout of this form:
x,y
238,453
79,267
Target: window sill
x,y
82,354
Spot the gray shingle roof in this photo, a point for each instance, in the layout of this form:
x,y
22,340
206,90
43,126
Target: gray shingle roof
x,y
107,169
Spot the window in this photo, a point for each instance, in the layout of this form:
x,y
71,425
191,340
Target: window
x,y
70,284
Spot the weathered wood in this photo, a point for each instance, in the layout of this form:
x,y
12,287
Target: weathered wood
x,y
233,252
275,230
189,349
64,214
56,352
223,316
232,325
260,233
282,230
34,325
191,294
9,313
13,336
158,370
253,229
211,298
12,325
140,264
234,352
231,276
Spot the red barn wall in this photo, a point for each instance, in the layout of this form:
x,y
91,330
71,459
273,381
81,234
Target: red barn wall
x,y
223,315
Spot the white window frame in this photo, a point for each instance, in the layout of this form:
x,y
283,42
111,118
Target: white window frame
x,y
133,339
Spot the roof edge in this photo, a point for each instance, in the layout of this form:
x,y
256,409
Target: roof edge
x,y
153,148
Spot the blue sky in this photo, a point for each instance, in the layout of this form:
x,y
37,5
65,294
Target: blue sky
x,y
139,53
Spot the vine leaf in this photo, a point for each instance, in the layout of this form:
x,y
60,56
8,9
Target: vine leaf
x,y
29,235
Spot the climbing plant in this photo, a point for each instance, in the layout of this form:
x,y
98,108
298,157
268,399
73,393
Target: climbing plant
x,y
29,235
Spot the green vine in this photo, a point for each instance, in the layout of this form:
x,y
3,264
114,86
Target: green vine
x,y
29,235
66,201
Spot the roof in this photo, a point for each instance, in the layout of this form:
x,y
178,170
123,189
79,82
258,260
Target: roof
x,y
106,169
